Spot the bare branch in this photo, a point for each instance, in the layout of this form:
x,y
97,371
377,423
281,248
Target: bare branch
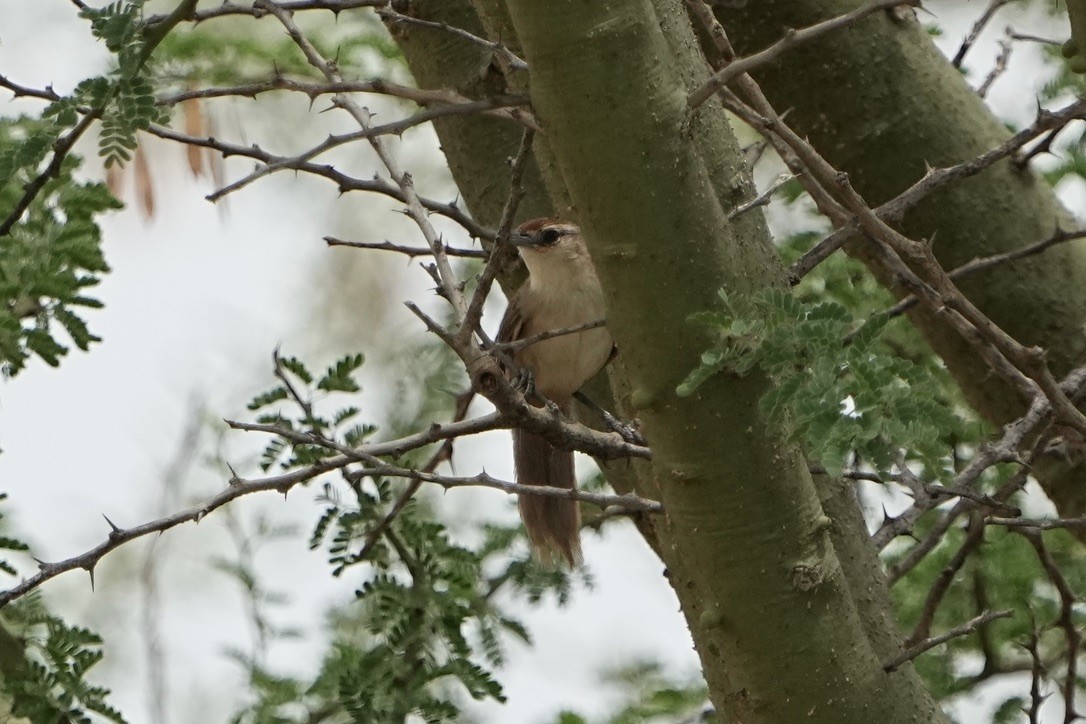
x,y
119,536
314,90
401,178
519,344
1066,621
1037,672
394,128
1006,449
343,181
514,61
392,448
895,208
443,454
227,8
965,629
763,198
791,39
1000,67
628,502
941,584
409,251
1033,38
977,265
22,91
474,312
1039,523
975,31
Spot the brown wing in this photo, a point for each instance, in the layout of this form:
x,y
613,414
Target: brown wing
x,y
512,326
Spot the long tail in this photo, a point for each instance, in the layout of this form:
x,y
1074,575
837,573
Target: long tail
x,y
553,524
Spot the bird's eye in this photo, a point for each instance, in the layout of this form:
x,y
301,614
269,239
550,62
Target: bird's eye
x,y
549,236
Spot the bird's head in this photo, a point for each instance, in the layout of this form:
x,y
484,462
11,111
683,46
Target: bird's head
x,y
549,246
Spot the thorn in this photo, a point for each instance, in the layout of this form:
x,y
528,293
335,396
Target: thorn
x,y
90,571
113,526
235,479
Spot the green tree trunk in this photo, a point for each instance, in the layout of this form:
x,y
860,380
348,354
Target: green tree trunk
x,y
745,539
880,101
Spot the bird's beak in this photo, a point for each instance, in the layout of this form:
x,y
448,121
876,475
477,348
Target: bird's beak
x,y
522,240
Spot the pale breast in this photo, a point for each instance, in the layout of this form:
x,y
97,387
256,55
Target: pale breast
x,y
563,364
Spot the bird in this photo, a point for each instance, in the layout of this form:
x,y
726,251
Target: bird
x,y
562,290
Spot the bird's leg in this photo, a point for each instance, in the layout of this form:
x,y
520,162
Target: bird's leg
x,y
628,430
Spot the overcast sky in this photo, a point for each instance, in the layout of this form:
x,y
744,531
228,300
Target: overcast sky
x,y
198,298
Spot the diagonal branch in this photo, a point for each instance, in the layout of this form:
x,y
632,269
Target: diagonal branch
x,y
965,629
791,39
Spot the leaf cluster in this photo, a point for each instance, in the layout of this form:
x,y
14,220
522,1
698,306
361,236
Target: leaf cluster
x,y
841,391
46,666
124,100
52,255
429,625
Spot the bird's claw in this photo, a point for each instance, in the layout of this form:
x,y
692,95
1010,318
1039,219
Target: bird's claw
x,y
524,381
628,430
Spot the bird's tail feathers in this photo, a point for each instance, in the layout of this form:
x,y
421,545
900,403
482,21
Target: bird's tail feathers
x,y
553,524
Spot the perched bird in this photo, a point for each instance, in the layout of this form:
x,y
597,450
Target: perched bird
x,y
561,291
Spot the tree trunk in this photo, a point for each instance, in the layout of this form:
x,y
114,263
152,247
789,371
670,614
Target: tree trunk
x,y
745,538
881,102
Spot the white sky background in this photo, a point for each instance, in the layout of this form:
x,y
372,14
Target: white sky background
x,y
197,299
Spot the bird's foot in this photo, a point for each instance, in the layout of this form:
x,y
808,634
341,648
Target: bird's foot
x,y
628,430
524,382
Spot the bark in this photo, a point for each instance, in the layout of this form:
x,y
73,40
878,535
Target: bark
x,y
745,538
881,102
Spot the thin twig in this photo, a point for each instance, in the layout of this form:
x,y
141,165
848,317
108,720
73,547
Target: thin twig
x,y
628,501
1037,672
474,311
23,91
939,587
965,629
975,31
1065,621
519,344
1000,67
763,198
401,178
1034,38
393,128
1006,449
281,373
343,181
442,454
